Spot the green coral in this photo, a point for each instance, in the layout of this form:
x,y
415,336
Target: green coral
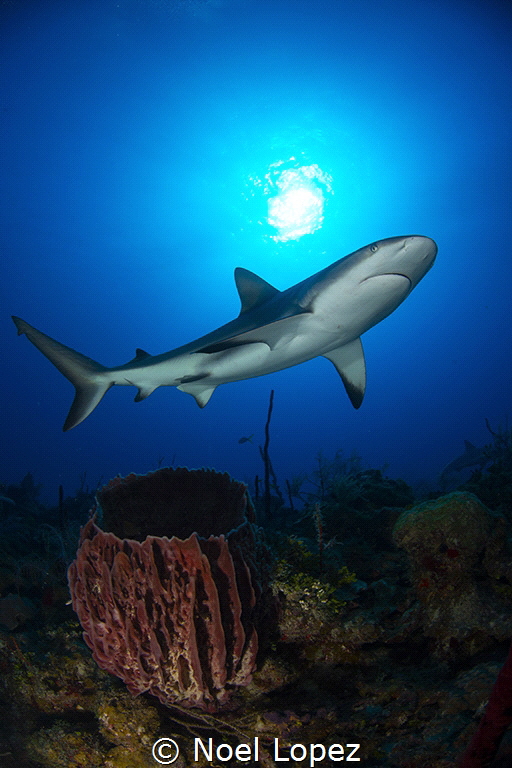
x,y
295,553
54,683
127,721
307,590
63,747
297,576
303,556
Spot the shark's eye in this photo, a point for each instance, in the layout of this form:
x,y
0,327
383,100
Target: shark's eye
x,y
374,248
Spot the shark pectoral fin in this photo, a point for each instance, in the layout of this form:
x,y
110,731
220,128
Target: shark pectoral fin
x,y
252,290
196,386
349,362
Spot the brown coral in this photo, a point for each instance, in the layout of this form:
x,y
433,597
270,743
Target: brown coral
x,y
449,541
178,617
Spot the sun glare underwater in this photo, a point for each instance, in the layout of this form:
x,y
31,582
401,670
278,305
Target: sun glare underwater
x,y
159,145
297,207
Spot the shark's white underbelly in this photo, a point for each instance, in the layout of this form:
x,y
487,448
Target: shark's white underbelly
x,y
311,338
257,358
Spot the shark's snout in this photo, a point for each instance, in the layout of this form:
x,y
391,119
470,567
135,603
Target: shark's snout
x,y
413,256
423,248
408,257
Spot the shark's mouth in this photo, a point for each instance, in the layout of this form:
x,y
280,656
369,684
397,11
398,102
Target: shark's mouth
x,y
381,275
387,274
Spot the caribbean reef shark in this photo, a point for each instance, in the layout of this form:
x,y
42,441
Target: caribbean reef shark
x,y
324,315
472,457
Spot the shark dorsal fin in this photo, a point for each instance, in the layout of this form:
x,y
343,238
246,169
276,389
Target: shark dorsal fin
x,y
253,290
140,354
469,446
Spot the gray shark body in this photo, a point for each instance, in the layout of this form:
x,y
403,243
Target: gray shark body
x,y
323,315
472,457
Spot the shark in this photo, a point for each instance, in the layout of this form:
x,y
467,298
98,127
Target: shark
x,y
322,316
472,457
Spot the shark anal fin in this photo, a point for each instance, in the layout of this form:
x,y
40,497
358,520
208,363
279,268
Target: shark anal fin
x,y
253,290
349,362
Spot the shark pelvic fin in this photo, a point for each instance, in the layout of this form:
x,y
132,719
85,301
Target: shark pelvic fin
x,y
200,390
82,372
143,392
349,362
253,290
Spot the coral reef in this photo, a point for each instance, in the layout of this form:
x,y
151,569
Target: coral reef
x,y
493,486
451,543
178,617
355,503
36,546
394,649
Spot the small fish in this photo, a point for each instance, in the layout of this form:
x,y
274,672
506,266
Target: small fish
x,y
246,439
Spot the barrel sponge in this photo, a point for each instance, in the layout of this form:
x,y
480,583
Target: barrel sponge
x,y
177,616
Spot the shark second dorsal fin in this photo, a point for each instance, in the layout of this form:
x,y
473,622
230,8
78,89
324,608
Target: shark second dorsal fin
x,y
253,290
349,362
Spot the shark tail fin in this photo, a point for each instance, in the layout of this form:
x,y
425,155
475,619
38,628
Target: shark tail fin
x,y
85,374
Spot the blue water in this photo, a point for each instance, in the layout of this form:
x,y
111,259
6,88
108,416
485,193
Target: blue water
x,y
138,142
